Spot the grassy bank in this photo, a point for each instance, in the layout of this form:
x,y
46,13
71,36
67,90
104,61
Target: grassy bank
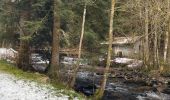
x,y
40,78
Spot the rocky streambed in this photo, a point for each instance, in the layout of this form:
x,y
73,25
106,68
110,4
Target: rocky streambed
x,y
124,86
121,85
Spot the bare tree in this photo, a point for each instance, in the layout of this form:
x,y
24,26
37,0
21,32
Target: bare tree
x,y
80,47
86,3
146,45
167,32
102,88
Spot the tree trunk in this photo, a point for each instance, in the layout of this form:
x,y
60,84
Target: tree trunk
x,y
146,43
156,63
80,47
167,33
168,41
102,88
54,67
168,51
23,60
166,46
24,56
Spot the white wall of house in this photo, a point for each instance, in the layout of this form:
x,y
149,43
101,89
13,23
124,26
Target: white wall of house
x,y
3,52
7,53
126,50
130,50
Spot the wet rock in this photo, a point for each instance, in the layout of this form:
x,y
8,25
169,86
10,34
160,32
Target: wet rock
x,y
166,91
135,82
168,83
111,76
112,96
85,86
157,85
119,75
153,96
110,88
154,82
118,96
99,73
141,89
39,68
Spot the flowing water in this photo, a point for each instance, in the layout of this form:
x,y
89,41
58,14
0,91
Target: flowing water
x,y
118,88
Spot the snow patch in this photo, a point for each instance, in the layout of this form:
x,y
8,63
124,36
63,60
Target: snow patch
x,y
12,88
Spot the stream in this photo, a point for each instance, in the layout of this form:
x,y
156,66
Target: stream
x,y
121,89
120,85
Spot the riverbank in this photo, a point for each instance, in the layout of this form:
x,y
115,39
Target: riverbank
x,y
24,84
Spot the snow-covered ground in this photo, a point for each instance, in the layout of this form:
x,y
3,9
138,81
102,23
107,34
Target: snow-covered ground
x,y
131,63
12,88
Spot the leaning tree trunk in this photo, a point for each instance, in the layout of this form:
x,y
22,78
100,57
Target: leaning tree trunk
x,y
80,47
102,88
54,67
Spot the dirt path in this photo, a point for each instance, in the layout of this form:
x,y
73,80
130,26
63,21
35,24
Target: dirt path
x,y
12,88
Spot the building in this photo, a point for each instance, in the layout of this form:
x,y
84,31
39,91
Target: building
x,y
127,46
6,53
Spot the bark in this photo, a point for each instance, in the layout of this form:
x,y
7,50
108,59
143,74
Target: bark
x,y
80,48
102,88
167,33
23,60
168,41
168,52
24,56
155,49
146,44
156,57
54,67
166,46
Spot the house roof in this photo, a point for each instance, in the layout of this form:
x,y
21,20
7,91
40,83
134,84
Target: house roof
x,y
6,50
124,40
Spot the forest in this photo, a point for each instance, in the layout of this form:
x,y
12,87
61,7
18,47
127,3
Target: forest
x,y
88,49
